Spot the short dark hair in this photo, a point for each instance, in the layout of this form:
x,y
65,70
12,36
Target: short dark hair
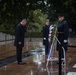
x,y
46,20
60,15
24,20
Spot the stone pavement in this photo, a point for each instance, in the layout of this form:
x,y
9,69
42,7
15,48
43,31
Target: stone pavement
x,y
36,64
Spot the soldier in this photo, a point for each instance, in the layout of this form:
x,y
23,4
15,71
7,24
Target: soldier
x,y
63,32
45,32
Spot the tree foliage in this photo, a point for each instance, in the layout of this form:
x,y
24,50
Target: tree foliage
x,y
36,19
13,11
65,7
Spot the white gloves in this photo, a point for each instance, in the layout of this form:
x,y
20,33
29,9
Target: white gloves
x,y
44,38
65,41
48,39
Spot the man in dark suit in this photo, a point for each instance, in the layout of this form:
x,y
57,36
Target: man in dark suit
x,y
63,32
19,40
45,32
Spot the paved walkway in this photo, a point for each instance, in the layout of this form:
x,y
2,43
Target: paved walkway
x,y
8,60
36,64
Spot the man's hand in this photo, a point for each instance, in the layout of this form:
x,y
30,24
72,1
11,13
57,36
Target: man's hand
x,y
19,43
44,38
65,41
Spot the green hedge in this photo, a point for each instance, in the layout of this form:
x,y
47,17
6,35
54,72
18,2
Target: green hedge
x,y
33,34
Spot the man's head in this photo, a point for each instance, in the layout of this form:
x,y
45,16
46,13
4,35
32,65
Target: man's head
x,y
60,18
47,22
23,22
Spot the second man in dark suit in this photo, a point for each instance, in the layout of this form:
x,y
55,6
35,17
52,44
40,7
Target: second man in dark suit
x,y
45,32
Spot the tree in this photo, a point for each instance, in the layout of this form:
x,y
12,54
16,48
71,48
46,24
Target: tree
x,y
66,7
13,11
71,12
36,19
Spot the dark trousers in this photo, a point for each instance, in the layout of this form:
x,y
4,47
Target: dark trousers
x,y
19,53
62,52
47,49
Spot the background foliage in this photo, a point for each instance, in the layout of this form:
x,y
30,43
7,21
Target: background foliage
x,y
13,11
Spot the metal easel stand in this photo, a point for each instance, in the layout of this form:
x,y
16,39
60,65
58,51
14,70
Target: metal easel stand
x,y
62,65
51,58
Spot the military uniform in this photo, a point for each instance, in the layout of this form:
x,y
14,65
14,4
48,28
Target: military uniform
x,y
45,32
63,32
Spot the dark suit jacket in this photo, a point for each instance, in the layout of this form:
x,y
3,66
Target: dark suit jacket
x,y
45,33
20,34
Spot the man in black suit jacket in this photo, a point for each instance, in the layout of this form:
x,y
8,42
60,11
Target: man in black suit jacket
x,y
19,40
45,33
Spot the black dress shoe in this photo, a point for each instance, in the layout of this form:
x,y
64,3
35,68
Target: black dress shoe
x,y
21,63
